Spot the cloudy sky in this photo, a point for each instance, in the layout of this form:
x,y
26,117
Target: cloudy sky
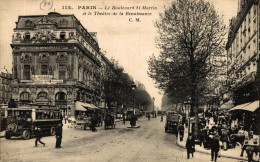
x,y
129,41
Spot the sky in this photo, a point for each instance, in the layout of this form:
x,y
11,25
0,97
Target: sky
x,y
128,39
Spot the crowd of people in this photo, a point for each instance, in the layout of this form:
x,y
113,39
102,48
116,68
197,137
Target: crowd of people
x,y
217,133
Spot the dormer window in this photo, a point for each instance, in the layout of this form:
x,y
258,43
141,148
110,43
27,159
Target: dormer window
x,y
62,35
28,23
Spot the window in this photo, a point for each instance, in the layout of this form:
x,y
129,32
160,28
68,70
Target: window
x,y
62,35
25,96
42,95
62,72
27,36
44,70
60,96
26,72
62,75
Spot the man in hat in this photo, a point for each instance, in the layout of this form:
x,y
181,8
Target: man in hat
x,y
214,146
190,146
38,136
58,131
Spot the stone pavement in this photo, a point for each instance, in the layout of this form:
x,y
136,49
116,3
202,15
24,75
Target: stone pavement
x,y
230,153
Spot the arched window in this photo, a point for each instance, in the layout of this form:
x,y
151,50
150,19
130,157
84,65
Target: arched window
x,y
42,95
60,96
25,97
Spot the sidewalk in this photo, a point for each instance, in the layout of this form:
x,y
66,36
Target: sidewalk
x,y
230,153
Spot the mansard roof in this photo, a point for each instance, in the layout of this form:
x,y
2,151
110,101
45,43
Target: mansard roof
x,y
55,19
61,21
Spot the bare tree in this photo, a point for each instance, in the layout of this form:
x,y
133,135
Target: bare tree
x,y
190,33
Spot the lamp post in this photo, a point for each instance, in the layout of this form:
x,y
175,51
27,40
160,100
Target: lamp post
x,y
153,107
133,88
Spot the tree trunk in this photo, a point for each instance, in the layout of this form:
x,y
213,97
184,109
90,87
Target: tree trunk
x,y
194,105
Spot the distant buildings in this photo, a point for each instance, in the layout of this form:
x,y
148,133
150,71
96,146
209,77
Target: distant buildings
x,y
5,86
56,61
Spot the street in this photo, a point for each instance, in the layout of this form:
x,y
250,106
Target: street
x,y
148,143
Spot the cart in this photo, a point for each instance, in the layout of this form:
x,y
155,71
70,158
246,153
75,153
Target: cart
x,y
109,122
82,123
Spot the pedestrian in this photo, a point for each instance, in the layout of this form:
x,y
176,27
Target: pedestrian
x,y
161,118
149,116
245,133
123,118
58,132
214,146
93,123
38,136
181,131
201,136
225,139
250,151
190,146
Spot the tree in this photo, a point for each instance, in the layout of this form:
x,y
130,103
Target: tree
x,y
143,99
190,33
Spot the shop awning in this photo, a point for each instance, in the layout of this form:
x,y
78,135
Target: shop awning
x,y
79,106
238,107
251,106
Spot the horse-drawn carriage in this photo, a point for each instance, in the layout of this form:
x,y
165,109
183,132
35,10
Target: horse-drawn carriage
x,y
109,121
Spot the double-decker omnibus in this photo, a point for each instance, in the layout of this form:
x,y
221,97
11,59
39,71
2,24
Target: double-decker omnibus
x,y
23,120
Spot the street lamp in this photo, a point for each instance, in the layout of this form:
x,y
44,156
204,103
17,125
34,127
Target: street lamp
x,y
153,106
133,88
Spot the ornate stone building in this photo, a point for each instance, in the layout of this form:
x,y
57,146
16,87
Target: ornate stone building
x,y
55,61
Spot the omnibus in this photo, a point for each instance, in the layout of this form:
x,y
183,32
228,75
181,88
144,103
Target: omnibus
x,y
172,121
23,120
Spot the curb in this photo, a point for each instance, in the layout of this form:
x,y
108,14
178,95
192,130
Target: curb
x,y
231,157
2,134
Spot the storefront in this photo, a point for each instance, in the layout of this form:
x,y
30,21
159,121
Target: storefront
x,y
247,116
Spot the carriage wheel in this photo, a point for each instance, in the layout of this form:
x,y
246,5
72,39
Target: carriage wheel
x,y
26,134
52,131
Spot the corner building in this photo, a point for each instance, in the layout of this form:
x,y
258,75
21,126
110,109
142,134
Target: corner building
x,y
55,61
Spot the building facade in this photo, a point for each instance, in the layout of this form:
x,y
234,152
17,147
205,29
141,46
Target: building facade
x,y
55,61
243,51
5,86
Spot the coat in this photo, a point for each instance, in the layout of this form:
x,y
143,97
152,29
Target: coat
x,y
58,131
214,144
38,133
190,145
